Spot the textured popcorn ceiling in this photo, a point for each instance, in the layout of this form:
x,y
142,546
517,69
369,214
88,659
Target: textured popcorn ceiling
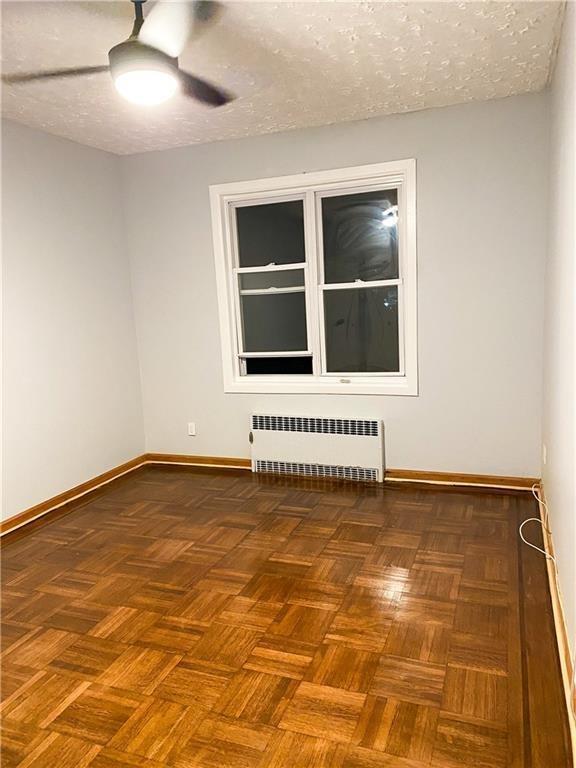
x,y
291,65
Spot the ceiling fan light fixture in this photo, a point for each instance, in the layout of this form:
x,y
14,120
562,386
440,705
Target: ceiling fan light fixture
x,y
143,75
146,87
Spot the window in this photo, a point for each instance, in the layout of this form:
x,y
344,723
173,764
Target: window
x,y
317,281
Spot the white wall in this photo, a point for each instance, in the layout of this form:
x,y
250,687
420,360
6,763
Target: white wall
x,y
482,181
559,429
72,398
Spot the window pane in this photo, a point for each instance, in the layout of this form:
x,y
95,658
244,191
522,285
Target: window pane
x,y
289,278
360,236
278,366
270,233
362,329
275,323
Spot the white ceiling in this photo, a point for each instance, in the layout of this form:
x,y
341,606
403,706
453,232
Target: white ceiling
x,y
292,64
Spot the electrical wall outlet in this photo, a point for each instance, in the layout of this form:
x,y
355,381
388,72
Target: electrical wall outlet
x,y
191,428
544,453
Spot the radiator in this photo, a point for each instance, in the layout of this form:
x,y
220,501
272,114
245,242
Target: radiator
x,y
349,449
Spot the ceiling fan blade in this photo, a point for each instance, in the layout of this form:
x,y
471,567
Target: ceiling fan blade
x,y
205,13
170,23
51,74
203,91
168,26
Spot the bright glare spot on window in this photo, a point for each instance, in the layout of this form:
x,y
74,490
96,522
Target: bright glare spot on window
x,y
146,86
390,217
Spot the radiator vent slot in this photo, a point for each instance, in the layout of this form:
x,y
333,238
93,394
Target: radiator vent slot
x,y
317,470
316,425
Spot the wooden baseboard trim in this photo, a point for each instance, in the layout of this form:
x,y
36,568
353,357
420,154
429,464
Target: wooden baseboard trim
x,y
45,507
393,475
453,478
566,661
223,462
197,461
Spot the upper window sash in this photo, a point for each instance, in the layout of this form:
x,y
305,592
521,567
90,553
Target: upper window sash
x,y
398,202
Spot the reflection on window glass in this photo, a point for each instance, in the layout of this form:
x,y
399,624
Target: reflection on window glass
x,y
360,236
270,233
285,278
274,323
362,330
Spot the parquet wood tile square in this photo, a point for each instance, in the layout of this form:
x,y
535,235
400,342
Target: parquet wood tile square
x,y
316,594
219,742
17,741
480,619
300,622
14,678
388,556
431,611
157,729
156,597
422,642
341,667
114,590
172,634
10,632
225,644
223,580
97,713
467,745
63,751
268,588
409,680
201,606
72,584
360,757
398,728
334,570
434,583
282,656
256,697
41,699
323,712
139,669
366,631
87,657
36,609
194,682
123,624
476,695
190,618
76,617
486,654
356,532
250,614
39,647
308,751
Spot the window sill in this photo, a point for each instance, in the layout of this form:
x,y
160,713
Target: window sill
x,y
297,385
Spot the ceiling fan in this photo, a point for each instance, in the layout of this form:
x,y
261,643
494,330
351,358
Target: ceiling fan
x,y
145,67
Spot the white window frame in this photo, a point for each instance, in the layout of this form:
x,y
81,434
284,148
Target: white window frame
x,y
311,187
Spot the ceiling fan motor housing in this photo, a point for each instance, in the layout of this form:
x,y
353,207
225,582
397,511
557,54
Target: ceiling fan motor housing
x,y
133,55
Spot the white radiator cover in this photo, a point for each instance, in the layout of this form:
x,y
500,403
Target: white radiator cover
x,y
351,449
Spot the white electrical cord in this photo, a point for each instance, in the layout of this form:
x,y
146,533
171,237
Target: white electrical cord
x,y
543,522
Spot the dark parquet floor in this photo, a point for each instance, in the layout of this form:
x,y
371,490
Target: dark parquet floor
x,y
197,619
